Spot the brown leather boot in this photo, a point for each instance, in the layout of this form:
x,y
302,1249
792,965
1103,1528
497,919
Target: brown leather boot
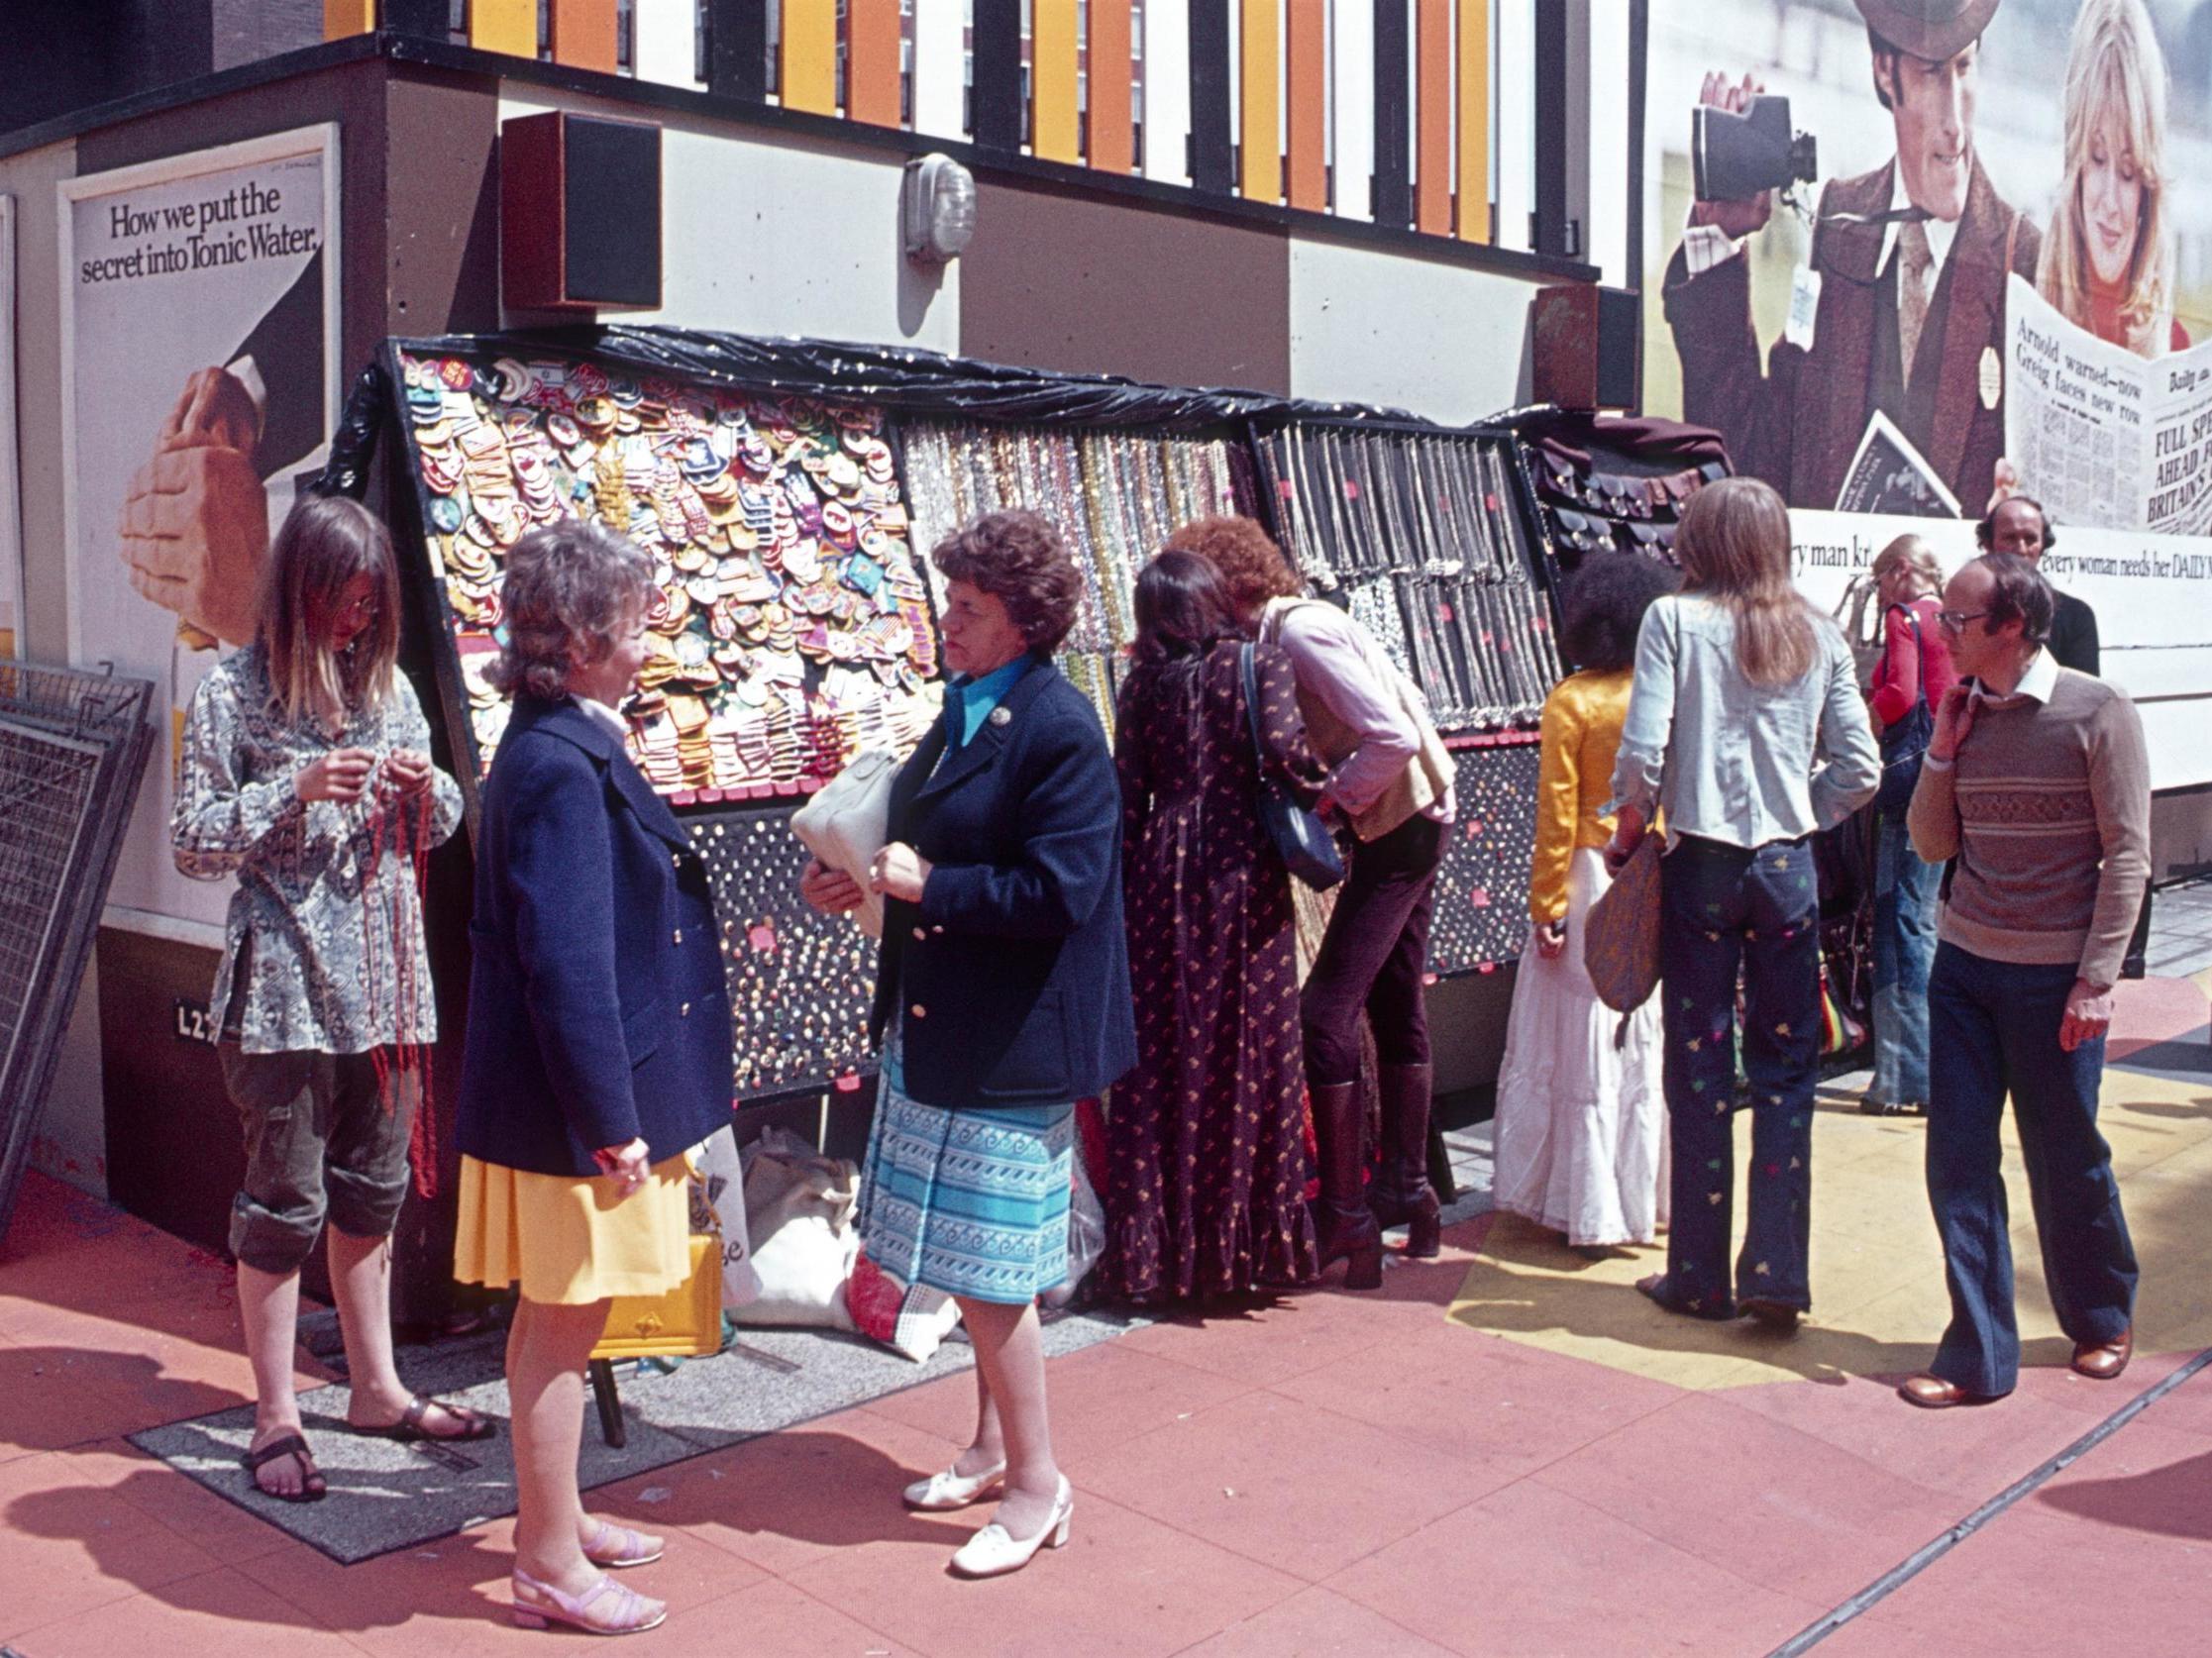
x,y
1402,1195
1345,1227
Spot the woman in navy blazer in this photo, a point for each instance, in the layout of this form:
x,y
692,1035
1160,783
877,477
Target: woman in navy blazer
x,y
1003,996
598,1048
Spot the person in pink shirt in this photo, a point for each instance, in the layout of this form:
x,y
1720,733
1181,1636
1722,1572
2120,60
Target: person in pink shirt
x,y
1909,684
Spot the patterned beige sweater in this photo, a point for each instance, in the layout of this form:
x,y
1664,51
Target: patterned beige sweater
x,y
2047,808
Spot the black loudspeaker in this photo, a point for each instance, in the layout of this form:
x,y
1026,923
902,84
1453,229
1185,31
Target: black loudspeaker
x,y
1586,347
580,213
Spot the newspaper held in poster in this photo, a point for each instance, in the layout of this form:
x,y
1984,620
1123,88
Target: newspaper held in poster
x,y
2101,435
199,327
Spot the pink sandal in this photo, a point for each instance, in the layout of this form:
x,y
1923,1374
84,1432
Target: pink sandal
x,y
617,1546
630,1614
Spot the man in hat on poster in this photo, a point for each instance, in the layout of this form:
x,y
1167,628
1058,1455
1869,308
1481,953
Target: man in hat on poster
x,y
1900,309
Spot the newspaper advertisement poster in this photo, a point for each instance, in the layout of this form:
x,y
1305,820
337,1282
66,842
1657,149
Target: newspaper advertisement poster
x,y
200,381
2102,436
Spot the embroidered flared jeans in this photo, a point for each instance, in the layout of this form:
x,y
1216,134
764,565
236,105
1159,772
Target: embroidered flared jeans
x,y
1725,911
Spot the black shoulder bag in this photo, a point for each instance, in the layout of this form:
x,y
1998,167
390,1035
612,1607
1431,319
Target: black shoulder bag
x,y
1301,838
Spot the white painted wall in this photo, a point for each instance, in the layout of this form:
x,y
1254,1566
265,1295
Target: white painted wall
x,y
1436,339
665,41
764,237
938,51
1167,91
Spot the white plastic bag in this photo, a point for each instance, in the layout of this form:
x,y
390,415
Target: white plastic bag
x,y
799,1211
721,1180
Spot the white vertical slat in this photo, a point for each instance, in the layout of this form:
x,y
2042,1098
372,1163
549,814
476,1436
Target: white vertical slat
x,y
1167,91
1517,119
666,41
1605,223
938,61
1351,80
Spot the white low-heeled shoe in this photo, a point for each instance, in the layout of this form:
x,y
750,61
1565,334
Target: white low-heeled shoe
x,y
992,1553
942,1493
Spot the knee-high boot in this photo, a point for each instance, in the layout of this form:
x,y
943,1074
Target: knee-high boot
x,y
1343,1226
1402,1195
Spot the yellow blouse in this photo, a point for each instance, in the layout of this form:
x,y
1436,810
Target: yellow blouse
x,y
1582,721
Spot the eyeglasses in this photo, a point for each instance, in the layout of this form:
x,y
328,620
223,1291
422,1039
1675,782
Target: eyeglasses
x,y
1954,621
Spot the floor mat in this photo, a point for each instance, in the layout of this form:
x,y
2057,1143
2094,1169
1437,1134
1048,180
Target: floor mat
x,y
387,1496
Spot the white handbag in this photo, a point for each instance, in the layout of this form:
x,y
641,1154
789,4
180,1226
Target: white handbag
x,y
847,823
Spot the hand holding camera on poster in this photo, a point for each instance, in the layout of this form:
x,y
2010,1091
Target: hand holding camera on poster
x,y
338,776
195,519
1738,217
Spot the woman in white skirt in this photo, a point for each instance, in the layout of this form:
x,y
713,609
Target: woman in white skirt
x,y
1581,1122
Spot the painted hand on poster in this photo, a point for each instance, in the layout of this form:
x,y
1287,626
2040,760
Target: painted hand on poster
x,y
195,518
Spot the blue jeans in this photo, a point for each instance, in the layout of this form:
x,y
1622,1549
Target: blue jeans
x,y
1904,946
1724,908
1994,1028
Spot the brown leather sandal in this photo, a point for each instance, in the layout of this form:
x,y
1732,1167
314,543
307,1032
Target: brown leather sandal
x,y
312,1487
409,1426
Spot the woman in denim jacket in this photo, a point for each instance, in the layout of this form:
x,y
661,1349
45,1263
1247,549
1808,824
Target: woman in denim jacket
x,y
1747,729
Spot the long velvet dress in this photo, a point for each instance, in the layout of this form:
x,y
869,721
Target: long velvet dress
x,y
1205,1189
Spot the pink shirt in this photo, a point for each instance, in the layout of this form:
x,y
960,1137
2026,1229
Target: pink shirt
x,y
1340,664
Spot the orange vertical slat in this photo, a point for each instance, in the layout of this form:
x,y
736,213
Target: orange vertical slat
x,y
872,62
508,26
808,71
1112,137
1259,140
1055,132
1474,119
584,34
1432,116
1308,94
347,16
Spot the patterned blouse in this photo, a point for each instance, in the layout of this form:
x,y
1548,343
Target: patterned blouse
x,y
325,942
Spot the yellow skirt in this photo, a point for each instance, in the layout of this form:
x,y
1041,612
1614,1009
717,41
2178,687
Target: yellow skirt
x,y
571,1242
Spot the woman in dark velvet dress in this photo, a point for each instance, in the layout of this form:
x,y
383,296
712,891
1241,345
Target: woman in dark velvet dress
x,y
1206,1191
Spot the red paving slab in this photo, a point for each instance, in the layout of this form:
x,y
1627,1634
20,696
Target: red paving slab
x,y
1325,1474
1531,1570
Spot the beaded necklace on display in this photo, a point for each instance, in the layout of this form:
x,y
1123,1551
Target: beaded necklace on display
x,y
400,826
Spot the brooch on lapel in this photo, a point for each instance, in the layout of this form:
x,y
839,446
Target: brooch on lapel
x,y
1001,715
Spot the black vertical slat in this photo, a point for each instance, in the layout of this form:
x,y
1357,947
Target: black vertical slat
x,y
1639,52
1549,233
737,49
1394,183
432,19
997,112
1212,158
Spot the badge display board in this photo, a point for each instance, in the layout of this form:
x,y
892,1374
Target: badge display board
x,y
1113,497
800,982
1425,535
1482,891
791,626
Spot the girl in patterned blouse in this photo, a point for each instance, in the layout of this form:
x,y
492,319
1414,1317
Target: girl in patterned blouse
x,y
306,774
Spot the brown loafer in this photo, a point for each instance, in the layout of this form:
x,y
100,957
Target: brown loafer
x,y
1932,1393
2103,1361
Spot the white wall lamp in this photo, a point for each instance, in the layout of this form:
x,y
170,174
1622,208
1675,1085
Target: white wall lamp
x,y
936,209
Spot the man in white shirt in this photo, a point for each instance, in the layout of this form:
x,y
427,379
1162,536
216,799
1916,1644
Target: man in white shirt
x,y
1900,307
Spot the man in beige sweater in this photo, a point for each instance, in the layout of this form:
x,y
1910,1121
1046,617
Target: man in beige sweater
x,y
2036,790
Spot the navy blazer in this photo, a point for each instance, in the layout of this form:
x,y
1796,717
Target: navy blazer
x,y
597,1011
1013,969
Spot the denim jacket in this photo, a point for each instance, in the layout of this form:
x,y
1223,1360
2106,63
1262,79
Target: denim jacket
x,y
1730,761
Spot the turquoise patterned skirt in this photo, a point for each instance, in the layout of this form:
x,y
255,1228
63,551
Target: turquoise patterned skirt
x,y
974,1203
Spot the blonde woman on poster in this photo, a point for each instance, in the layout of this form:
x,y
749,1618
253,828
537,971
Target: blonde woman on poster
x,y
2107,265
